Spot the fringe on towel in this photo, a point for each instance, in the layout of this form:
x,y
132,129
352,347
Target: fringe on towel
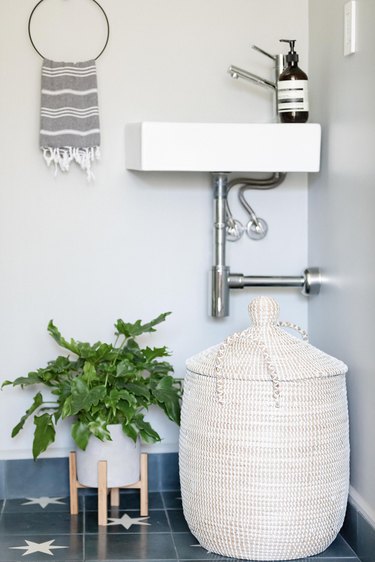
x,y
62,158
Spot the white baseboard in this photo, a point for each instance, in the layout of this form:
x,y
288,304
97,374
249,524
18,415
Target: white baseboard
x,y
362,506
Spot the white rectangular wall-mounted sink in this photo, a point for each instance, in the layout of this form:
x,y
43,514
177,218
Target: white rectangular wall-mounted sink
x,y
223,147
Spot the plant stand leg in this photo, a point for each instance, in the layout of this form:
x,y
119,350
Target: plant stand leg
x,y
115,497
73,484
102,493
144,485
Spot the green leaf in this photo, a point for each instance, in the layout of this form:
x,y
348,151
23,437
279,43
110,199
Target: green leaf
x,y
62,390
136,329
96,395
159,368
138,390
89,373
131,430
125,367
57,416
148,435
7,383
96,352
67,408
101,352
80,392
61,364
55,333
44,434
32,378
116,397
168,397
37,402
81,434
132,351
152,353
82,398
126,411
99,429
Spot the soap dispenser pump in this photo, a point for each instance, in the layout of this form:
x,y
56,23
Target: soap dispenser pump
x,y
292,92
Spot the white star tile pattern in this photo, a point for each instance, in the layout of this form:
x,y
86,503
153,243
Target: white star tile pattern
x,y
44,501
32,547
86,541
127,521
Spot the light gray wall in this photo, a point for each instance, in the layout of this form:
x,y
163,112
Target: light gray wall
x,y
132,245
341,220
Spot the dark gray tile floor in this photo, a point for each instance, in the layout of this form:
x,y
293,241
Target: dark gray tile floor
x,y
38,529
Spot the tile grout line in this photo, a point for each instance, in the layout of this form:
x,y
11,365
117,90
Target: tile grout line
x,y
169,523
76,559
83,526
133,533
355,555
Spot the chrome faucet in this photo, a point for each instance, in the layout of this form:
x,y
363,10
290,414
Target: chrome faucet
x,y
279,60
237,72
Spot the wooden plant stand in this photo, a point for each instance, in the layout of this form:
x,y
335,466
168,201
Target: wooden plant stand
x,y
103,489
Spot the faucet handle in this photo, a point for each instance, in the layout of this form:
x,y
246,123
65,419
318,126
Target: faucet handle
x,y
279,60
256,48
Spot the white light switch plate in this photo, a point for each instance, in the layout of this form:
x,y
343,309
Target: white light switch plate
x,y
350,27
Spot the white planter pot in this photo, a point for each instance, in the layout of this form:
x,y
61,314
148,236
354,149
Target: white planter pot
x,y
122,456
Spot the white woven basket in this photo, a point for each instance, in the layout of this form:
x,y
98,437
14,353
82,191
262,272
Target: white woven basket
x,y
264,447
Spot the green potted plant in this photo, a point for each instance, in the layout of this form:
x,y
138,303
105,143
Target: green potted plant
x,y
106,389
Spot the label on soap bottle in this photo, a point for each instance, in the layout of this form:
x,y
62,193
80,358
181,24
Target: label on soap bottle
x,y
292,95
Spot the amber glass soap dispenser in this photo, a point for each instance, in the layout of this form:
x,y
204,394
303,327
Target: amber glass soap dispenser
x,y
292,93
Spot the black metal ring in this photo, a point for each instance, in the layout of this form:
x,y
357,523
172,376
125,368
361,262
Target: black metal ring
x,y
95,2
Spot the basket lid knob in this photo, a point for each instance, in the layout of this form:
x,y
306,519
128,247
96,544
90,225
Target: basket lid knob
x,y
263,311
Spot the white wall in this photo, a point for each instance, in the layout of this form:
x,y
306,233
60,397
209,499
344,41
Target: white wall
x,y
132,245
341,220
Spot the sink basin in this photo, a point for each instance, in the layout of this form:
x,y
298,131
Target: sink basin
x,y
223,147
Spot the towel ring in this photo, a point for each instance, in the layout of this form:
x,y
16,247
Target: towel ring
x,y
95,2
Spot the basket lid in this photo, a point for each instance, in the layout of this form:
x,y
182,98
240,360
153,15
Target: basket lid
x,y
250,354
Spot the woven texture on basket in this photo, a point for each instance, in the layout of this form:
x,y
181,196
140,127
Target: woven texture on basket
x,y
264,450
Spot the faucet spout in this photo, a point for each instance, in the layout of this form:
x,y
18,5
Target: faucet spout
x,y
237,72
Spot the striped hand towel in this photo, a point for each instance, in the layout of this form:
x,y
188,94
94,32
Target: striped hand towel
x,y
69,129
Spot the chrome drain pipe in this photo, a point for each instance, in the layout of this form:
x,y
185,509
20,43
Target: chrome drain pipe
x,y
221,278
239,281
309,282
220,272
